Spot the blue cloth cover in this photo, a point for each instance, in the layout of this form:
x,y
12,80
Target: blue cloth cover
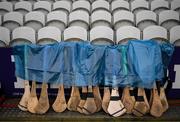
x,y
137,64
147,62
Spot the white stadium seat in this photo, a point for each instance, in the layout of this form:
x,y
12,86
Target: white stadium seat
x,y
123,18
48,35
130,1
155,32
138,5
57,19
159,5
75,33
126,33
79,18
5,7
100,4
102,35
23,7
0,20
13,1
70,1
4,36
31,1
35,19
51,1
168,19
101,18
42,6
12,20
62,5
81,5
145,18
175,35
23,35
175,5
117,5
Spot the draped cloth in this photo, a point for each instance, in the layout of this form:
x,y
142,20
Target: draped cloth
x,y
116,67
136,64
149,59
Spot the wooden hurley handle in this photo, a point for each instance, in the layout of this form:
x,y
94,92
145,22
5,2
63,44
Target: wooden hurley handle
x,y
140,91
75,91
60,103
44,90
33,89
156,108
115,92
84,89
72,90
90,105
90,89
106,99
26,83
163,99
61,90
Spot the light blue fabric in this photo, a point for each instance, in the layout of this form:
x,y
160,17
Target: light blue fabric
x,y
137,64
89,63
147,62
45,63
115,71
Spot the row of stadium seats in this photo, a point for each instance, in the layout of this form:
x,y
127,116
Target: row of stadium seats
x,y
99,33
144,18
68,5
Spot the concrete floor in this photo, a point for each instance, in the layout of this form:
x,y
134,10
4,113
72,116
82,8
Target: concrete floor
x,y
13,114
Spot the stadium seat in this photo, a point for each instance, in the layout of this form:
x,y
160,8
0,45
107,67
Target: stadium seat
x,y
42,6
100,4
138,5
57,19
5,7
117,5
175,36
13,1
79,18
155,32
62,5
23,35
12,20
81,5
35,19
31,1
123,18
75,33
0,20
145,18
175,5
51,1
70,1
48,34
125,33
102,35
168,19
159,5
4,36
101,18
130,1
23,7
